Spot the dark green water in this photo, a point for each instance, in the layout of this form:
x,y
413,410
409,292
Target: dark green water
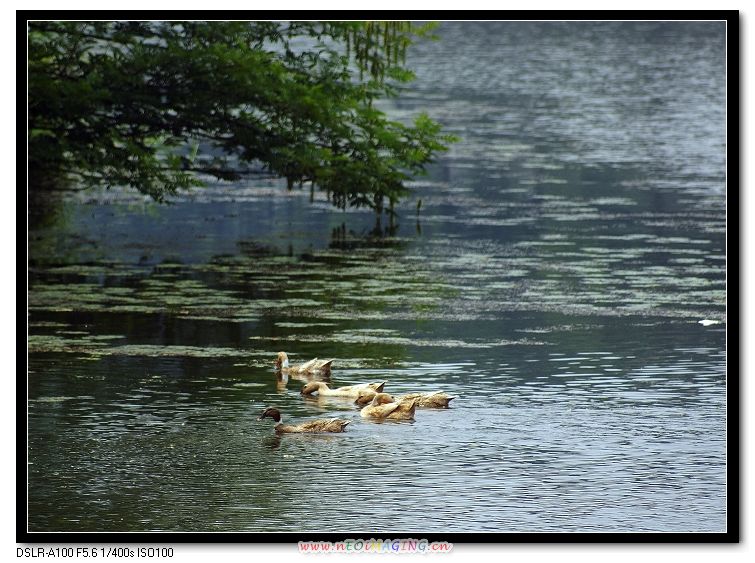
x,y
566,249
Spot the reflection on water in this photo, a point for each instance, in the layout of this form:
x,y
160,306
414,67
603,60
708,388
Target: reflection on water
x,y
553,281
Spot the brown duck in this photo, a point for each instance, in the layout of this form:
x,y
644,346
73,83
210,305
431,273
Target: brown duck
x,y
311,426
435,400
384,406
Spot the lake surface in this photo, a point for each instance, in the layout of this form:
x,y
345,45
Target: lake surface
x,y
553,281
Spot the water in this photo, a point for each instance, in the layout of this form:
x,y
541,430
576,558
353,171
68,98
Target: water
x,y
565,251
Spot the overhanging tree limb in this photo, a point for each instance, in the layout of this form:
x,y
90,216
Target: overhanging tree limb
x,y
123,102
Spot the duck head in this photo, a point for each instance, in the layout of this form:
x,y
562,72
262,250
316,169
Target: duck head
x,y
282,361
382,399
271,412
311,387
365,396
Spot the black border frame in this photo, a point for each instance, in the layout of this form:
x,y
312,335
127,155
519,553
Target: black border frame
x,y
734,399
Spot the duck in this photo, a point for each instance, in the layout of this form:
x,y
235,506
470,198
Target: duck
x,y
434,400
315,366
323,390
384,406
309,427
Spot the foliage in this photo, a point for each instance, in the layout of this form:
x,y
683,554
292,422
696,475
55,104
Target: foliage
x,y
157,105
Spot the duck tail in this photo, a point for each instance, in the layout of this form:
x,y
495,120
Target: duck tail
x,y
413,406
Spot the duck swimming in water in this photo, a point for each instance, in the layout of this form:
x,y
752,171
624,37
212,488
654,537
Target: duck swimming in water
x,y
435,400
322,389
312,367
384,406
310,427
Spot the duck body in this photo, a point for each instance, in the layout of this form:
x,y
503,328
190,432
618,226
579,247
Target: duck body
x,y
312,367
383,406
309,427
322,389
436,400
